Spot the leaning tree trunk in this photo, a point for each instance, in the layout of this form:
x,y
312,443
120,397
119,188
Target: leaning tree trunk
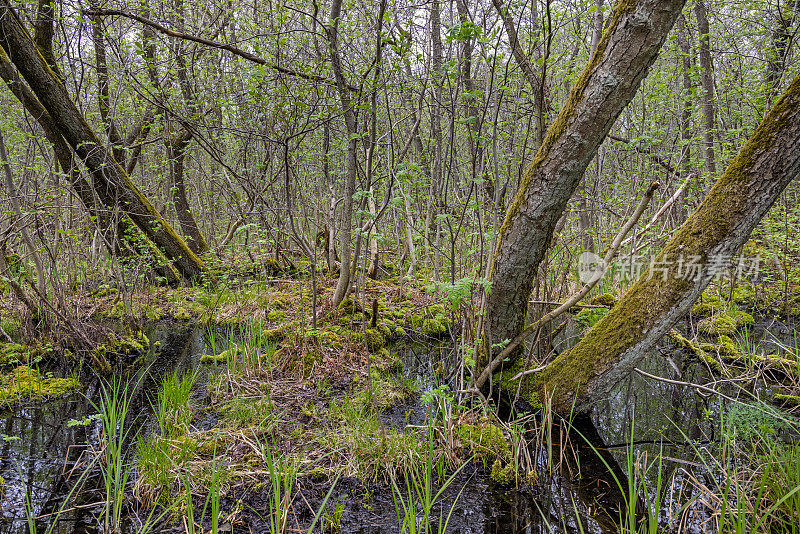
x,y
61,150
636,30
717,229
112,181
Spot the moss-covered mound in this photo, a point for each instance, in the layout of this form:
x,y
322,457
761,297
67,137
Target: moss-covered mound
x,y
24,383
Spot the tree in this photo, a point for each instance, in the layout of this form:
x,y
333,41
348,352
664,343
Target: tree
x,y
707,81
332,32
111,180
764,166
636,30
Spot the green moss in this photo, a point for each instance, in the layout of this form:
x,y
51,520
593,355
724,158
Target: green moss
x,y
134,343
589,317
275,335
400,332
315,474
152,313
325,338
26,383
792,400
433,327
606,299
357,338
743,319
13,354
485,439
745,296
182,314
118,310
351,306
275,316
282,302
222,357
718,325
105,290
211,447
728,347
503,475
11,325
708,307
375,339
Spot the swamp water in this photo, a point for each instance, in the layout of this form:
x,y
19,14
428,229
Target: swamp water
x,y
43,452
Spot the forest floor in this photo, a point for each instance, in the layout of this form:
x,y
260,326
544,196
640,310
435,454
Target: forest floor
x,y
270,396
273,403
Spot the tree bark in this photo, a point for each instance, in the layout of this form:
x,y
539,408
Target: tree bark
x,y
176,152
635,33
435,190
112,181
707,81
102,215
679,209
755,178
332,32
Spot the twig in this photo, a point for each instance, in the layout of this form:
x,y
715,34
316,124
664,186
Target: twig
x,y
681,383
5,335
661,211
576,297
214,44
653,157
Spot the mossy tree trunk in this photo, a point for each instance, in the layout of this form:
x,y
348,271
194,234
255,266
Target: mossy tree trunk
x,y
112,183
634,34
717,229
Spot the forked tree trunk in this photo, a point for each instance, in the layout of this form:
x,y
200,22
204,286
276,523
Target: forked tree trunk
x,y
111,180
736,203
176,150
636,30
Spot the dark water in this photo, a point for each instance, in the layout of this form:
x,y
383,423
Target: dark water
x,y
42,456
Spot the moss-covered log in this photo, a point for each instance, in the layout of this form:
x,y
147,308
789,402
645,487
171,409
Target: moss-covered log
x,y
722,223
635,32
111,180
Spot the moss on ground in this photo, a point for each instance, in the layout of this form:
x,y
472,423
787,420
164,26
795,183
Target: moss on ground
x,y
485,439
26,384
222,357
719,325
503,474
14,354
